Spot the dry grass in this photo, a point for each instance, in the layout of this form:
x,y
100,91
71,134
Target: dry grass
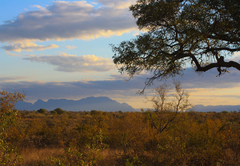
x,y
207,138
110,157
31,156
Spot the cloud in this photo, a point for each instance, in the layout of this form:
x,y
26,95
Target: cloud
x,y
119,4
206,89
76,89
236,57
70,47
73,63
210,79
27,46
16,78
191,79
11,54
71,90
69,20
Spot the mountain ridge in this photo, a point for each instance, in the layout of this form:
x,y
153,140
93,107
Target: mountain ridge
x,y
84,104
105,104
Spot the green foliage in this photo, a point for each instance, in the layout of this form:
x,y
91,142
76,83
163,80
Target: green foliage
x,y
180,31
42,111
8,152
95,112
134,161
8,100
59,111
53,112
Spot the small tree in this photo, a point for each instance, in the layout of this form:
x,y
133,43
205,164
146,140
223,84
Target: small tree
x,y
166,110
8,100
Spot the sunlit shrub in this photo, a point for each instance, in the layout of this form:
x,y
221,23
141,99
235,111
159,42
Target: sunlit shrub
x,y
8,153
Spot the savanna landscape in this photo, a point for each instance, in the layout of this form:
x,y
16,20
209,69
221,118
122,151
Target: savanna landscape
x,y
173,39
151,137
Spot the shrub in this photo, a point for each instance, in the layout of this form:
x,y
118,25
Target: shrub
x,y
42,111
8,153
59,111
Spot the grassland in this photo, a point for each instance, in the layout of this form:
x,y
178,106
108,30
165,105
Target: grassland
x,y
124,138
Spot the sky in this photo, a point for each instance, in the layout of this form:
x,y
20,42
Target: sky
x,y
61,49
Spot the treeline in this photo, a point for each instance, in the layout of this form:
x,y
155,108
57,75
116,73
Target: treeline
x,y
124,138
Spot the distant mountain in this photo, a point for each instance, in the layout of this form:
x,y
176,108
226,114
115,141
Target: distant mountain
x,y
85,104
209,108
217,108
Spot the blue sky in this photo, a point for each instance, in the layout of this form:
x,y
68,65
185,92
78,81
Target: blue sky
x,y
60,49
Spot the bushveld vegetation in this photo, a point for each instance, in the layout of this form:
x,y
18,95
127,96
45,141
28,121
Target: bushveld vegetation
x,y
119,138
124,138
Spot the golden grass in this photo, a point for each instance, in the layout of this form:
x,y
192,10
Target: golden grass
x,y
110,157
31,155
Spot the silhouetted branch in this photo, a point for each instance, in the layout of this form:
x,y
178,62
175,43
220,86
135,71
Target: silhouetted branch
x,y
222,64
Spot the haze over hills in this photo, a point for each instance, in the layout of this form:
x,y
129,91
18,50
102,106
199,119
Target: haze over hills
x,y
104,104
85,104
216,108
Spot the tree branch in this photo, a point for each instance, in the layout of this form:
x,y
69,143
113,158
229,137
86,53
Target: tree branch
x,y
222,64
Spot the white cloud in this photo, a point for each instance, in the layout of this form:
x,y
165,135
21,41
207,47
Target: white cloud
x,y
11,54
27,46
119,4
70,20
70,47
236,57
73,63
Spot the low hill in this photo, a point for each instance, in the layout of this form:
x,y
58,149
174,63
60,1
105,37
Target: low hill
x,y
216,108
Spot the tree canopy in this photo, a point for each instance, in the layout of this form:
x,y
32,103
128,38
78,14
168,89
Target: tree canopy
x,y
200,32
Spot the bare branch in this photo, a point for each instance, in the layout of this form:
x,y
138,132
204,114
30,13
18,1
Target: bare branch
x,y
167,111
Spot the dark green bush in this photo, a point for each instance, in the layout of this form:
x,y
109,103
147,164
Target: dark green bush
x,y
42,111
59,111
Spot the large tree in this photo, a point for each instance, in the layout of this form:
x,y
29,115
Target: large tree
x,y
200,32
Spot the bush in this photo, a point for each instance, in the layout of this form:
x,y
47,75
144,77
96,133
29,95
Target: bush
x,y
42,111
59,111
8,153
